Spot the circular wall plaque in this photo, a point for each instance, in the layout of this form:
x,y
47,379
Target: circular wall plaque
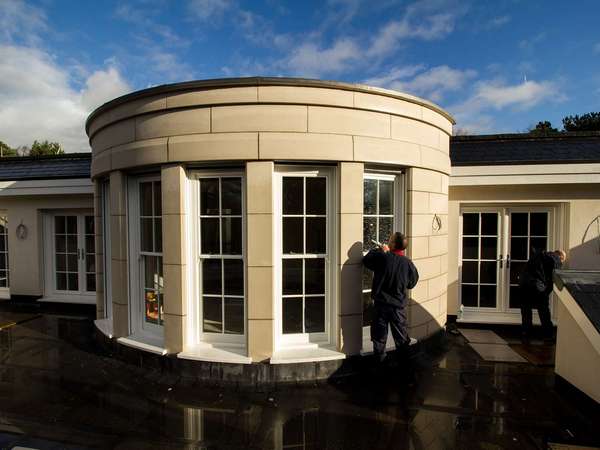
x,y
21,231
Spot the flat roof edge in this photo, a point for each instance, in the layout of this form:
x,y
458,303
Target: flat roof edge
x,y
262,81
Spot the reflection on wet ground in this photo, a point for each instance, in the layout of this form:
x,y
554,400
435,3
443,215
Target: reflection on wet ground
x,y
58,391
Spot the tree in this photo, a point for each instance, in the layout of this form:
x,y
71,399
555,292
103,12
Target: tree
x,y
45,148
543,129
585,122
5,150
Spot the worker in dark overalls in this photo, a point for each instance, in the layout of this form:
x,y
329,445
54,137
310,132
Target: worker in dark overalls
x,y
393,275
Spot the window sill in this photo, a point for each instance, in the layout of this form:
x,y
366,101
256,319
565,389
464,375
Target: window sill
x,y
146,343
210,353
105,326
79,299
309,353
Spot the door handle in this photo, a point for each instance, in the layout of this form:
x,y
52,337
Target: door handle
x,y
508,261
501,261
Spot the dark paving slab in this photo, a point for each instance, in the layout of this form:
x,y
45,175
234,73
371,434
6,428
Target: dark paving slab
x,y
59,391
8,319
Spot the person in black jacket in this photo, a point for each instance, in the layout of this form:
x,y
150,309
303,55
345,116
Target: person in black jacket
x,y
536,286
393,275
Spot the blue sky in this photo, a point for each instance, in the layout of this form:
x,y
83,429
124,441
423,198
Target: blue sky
x,y
497,66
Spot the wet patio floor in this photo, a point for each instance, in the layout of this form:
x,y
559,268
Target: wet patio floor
x,y
58,390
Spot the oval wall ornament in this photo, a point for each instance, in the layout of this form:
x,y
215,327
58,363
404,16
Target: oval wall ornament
x,y
21,231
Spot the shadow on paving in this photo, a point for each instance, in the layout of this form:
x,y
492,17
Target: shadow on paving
x,y
58,391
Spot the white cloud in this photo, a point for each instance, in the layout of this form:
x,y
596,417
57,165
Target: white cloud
x,y
313,61
37,100
206,10
20,21
497,22
596,48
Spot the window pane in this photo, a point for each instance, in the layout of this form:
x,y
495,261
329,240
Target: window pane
x,y
233,270
72,224
516,271
61,262
386,228
231,191
469,295
209,196
146,239
209,236
470,248
61,281
292,315
314,310
89,224
470,224
3,262
90,282
368,309
469,272
231,229
72,243
151,276
146,199
3,279
515,297
316,195
539,243
59,225
158,235
157,199
90,245
293,235
90,263
60,243
370,197
293,201
291,276
314,276
489,248
518,224
386,197
487,296
488,272
73,281
518,249
72,263
316,235
211,276
489,224
234,315
212,315
538,225
369,232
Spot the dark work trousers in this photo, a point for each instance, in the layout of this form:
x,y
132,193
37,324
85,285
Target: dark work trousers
x,y
384,315
541,302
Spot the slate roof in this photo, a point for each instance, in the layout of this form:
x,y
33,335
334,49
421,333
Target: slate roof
x,y
525,149
584,287
69,165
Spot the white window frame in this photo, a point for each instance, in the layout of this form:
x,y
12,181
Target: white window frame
x,y
399,222
196,335
107,250
140,329
328,338
5,291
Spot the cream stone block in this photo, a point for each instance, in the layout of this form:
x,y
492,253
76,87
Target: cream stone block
x,y
418,202
260,292
101,163
139,153
351,229
410,130
118,241
305,146
348,121
387,104
418,331
428,267
438,120
213,147
175,288
444,143
173,187
386,151
119,281
425,180
118,190
445,181
435,325
187,121
260,339
120,320
418,246
438,245
422,313
213,97
99,122
438,285
350,289
438,203
444,262
174,245
136,107
350,337
421,224
115,134
420,293
174,326
100,305
260,247
435,159
444,304
259,118
351,187
305,95
259,187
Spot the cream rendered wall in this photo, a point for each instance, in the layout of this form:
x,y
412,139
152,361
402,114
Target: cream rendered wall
x,y
580,226
26,257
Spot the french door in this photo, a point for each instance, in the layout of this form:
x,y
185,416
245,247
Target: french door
x,y
496,243
70,244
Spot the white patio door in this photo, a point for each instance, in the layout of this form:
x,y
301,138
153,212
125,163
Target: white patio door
x,y
71,261
496,243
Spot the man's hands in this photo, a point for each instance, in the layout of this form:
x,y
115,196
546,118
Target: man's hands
x,y
385,248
